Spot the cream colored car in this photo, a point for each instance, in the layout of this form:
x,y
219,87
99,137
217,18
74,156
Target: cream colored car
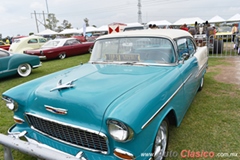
x,y
27,43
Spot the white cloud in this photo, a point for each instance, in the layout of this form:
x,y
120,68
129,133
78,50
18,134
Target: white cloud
x,y
37,6
2,10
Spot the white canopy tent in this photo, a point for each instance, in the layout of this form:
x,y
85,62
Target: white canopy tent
x,y
158,23
188,21
103,28
235,18
134,24
46,32
216,19
70,31
89,29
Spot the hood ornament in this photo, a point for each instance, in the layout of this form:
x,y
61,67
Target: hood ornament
x,y
55,110
63,86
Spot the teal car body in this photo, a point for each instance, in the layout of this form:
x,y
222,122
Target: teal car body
x,y
11,64
116,106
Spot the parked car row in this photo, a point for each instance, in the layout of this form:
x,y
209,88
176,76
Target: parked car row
x,y
135,85
15,62
20,64
4,46
61,48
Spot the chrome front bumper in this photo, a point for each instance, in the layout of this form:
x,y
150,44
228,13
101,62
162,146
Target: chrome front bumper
x,y
33,148
36,66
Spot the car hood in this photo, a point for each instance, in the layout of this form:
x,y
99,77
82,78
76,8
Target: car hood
x,y
94,88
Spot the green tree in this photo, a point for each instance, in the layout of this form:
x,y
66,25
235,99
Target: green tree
x,y
65,25
51,22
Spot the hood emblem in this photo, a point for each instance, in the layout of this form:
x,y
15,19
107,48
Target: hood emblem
x,y
60,85
55,110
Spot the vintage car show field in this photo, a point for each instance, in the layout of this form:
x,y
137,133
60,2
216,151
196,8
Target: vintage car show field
x,y
126,71
211,123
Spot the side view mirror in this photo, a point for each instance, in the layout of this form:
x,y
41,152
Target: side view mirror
x,y
185,56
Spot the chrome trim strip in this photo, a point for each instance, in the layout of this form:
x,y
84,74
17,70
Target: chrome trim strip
x,y
17,118
165,104
73,126
9,70
138,63
54,110
6,100
36,66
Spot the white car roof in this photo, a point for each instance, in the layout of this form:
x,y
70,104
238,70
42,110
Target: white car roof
x,y
169,33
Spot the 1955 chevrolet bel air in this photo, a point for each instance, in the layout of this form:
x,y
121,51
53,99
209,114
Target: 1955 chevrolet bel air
x,y
118,105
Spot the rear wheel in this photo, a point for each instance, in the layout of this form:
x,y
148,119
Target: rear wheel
x,y
161,141
24,69
62,56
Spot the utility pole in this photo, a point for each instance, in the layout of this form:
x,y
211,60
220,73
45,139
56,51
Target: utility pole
x,y
38,21
139,12
47,7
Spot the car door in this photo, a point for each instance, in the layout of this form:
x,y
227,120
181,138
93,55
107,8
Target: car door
x,y
76,46
188,69
68,48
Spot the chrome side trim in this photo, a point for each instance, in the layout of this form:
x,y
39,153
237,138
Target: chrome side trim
x,y
73,126
165,104
9,70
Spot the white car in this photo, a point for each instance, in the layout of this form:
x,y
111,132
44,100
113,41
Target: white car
x,y
27,43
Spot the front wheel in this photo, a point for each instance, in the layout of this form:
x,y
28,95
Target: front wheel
x,y
24,70
161,141
201,84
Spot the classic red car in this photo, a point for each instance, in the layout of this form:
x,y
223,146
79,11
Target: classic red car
x,y
4,46
61,48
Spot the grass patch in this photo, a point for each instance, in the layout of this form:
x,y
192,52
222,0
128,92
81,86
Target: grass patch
x,y
211,123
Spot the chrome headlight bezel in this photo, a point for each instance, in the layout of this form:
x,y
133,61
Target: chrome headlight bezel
x,y
10,103
119,131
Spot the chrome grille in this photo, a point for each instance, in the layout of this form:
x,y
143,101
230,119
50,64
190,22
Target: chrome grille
x,y
69,134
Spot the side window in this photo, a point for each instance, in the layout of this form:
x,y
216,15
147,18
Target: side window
x,y
182,46
185,45
191,46
33,41
42,40
67,43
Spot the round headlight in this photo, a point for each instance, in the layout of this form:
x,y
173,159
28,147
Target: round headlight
x,y
119,131
10,103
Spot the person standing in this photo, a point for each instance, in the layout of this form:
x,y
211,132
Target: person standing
x,y
184,27
7,41
234,31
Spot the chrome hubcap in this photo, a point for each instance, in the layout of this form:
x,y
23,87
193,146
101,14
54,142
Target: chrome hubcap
x,y
24,69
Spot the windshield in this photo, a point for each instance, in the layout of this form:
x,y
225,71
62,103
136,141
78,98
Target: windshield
x,y
51,43
137,50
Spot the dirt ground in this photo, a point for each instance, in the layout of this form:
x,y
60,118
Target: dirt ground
x,y
229,73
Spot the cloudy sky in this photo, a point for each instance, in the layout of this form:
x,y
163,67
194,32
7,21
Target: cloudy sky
x,y
17,15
